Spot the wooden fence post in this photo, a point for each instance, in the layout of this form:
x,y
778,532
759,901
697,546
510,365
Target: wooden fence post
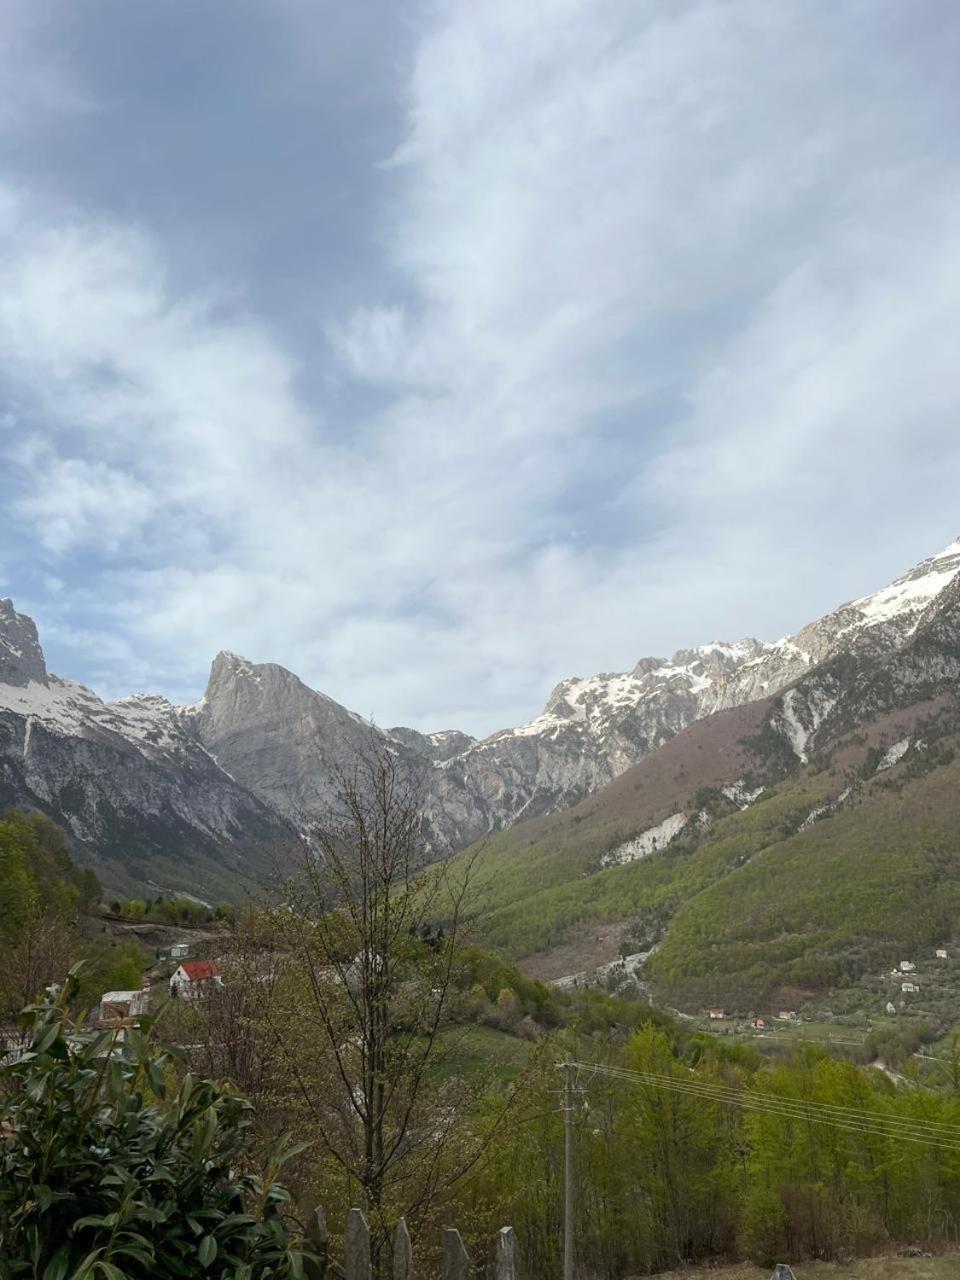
x,y
319,1241
356,1247
504,1267
402,1252
455,1264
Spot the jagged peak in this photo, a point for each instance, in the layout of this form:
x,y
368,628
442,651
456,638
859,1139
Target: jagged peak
x,y
21,657
949,551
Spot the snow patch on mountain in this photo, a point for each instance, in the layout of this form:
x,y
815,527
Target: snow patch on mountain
x,y
823,809
739,794
647,842
893,755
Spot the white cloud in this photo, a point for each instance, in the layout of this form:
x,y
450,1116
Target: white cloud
x,y
677,276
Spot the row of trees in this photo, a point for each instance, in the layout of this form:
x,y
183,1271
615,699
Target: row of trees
x,y
172,910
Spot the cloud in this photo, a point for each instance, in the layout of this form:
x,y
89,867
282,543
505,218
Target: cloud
x,y
665,320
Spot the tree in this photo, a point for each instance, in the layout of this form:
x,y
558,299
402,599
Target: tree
x,y
106,1171
355,991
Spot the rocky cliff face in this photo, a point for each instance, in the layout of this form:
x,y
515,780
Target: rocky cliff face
x,y
259,754
140,795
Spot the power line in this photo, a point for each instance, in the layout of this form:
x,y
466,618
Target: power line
x,y
851,1119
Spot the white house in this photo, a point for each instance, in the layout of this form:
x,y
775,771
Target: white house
x,y
909,988
194,979
179,950
907,966
941,953
115,1006
891,1007
715,1013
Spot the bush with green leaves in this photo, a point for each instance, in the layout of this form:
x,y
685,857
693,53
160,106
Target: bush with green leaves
x,y
110,1168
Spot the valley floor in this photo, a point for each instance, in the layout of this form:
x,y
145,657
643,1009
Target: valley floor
x,y
946,1267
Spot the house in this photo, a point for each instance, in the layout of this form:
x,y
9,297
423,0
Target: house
x,y
120,1006
194,979
891,1007
907,966
759,1024
787,1015
941,953
715,1013
179,950
909,988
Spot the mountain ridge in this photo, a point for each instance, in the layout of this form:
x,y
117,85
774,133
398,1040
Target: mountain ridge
x,y
271,748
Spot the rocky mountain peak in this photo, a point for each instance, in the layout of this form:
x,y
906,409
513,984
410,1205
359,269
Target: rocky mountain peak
x,y
21,658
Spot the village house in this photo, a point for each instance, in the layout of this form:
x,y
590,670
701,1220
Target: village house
x,y
909,988
760,1024
119,1007
941,953
194,979
891,1007
787,1015
715,1013
907,966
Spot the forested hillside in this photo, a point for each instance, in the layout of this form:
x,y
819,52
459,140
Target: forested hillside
x,y
783,873
48,919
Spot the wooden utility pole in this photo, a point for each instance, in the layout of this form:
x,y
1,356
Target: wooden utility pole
x,y
569,1202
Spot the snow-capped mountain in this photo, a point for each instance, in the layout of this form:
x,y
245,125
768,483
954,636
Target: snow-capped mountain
x,y
257,756
592,729
138,792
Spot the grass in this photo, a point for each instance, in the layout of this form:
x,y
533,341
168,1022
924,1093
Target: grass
x,y
884,1268
478,1050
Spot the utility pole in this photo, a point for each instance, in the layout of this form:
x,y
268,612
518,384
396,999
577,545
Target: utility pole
x,y
568,1170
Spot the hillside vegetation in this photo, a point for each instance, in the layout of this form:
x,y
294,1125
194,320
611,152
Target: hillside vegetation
x,y
838,868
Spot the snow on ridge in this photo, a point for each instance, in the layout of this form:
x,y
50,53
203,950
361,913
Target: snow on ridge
x,y
906,595
948,552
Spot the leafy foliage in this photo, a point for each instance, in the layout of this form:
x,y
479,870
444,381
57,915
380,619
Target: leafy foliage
x,y
107,1169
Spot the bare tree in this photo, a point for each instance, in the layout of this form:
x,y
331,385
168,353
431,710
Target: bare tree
x,y
362,978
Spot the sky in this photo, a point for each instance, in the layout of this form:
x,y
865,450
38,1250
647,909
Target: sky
x,y
439,351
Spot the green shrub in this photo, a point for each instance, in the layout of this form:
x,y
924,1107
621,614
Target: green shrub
x,y
108,1169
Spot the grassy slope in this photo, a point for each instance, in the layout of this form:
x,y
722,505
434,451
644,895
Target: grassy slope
x,y
750,904
828,904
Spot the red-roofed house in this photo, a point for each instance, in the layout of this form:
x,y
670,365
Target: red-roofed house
x,y
195,978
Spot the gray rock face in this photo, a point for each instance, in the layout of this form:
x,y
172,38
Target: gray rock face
x,y
21,658
260,753
280,739
140,796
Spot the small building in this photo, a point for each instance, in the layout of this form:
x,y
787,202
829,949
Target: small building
x,y
759,1024
907,966
909,988
179,950
891,1007
120,1006
716,1013
194,979
941,953
787,1015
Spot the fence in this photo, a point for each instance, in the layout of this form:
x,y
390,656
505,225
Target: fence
x,y
455,1262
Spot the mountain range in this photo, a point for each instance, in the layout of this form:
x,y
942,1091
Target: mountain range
x,y
208,798
799,843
